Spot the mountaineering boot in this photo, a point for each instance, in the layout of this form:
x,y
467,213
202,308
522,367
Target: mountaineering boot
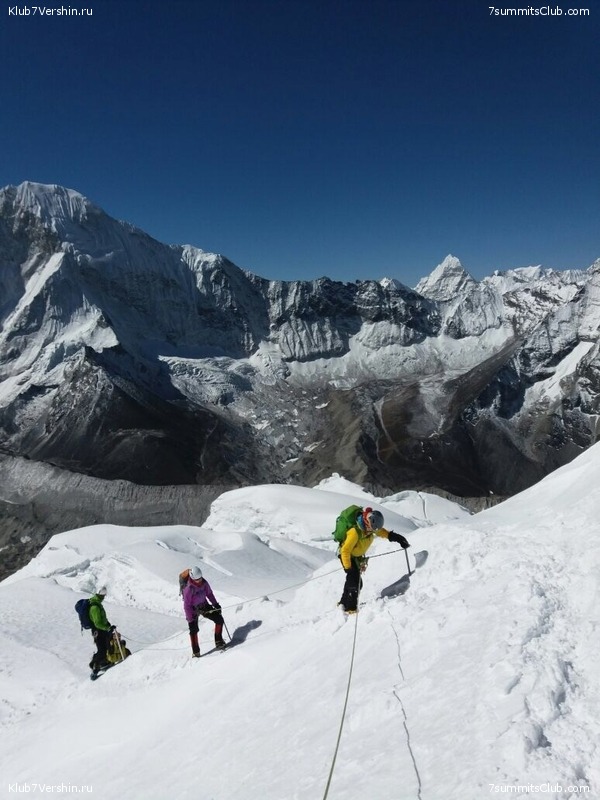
x,y
220,645
196,655
194,639
349,611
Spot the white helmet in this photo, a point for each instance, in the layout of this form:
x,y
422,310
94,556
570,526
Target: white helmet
x,y
196,573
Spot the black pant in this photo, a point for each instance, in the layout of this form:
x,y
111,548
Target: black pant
x,y
352,586
208,612
102,640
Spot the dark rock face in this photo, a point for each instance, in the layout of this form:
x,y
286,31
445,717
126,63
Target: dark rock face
x,y
123,358
39,500
99,424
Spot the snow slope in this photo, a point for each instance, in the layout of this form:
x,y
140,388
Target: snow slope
x,y
476,676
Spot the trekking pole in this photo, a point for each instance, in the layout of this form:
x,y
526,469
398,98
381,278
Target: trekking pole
x,y
227,629
118,641
407,562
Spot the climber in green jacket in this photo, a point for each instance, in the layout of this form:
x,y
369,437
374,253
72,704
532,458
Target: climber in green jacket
x,y
102,630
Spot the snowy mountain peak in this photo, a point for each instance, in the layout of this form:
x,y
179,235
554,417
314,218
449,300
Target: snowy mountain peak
x,y
51,203
393,285
448,281
451,264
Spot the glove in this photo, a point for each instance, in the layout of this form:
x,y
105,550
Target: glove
x,y
112,629
399,539
364,562
217,608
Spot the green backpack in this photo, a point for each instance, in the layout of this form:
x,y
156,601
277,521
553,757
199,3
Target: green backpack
x,y
345,521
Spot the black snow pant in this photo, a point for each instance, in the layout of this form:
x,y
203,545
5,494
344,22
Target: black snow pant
x,y
352,586
208,612
102,640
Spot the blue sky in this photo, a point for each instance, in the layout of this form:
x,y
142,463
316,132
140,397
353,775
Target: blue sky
x,y
301,139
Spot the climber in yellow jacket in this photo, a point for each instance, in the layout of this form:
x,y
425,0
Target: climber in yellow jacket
x,y
358,539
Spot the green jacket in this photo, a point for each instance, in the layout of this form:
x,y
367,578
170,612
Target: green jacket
x,y
98,614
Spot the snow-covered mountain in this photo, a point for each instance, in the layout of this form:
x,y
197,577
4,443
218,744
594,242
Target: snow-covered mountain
x,y
122,357
474,676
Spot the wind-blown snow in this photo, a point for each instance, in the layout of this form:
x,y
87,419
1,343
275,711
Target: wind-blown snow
x,y
475,676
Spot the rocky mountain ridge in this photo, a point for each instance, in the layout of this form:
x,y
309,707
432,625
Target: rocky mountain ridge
x,y
124,358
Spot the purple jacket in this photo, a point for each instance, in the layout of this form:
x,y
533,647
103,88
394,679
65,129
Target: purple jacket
x,y
194,596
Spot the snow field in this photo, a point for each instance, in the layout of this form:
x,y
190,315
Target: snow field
x,y
483,672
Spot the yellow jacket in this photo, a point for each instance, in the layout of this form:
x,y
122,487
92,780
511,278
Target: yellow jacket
x,y
357,543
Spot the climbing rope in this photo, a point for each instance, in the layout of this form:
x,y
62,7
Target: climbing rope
x,y
337,744
260,597
389,553
238,604
279,591
343,719
148,645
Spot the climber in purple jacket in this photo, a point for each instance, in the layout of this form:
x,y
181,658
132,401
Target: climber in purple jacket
x,y
199,600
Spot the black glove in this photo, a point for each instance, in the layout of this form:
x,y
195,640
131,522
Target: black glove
x,y
112,629
399,539
217,608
